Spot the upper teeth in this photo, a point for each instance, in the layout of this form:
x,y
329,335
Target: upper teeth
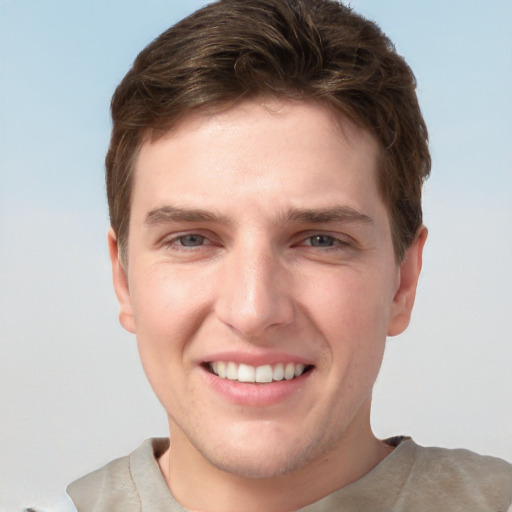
x,y
261,374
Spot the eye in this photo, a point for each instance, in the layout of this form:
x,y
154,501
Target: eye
x,y
323,241
192,240
189,247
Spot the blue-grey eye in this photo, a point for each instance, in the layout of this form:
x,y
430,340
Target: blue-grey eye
x,y
322,241
191,240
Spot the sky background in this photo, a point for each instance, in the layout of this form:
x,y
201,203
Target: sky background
x,y
72,393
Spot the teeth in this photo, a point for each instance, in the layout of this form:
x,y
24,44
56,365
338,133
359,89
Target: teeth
x,y
278,373
231,371
289,371
263,373
246,373
259,374
299,370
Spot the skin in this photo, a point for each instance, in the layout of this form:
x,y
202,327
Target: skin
x,y
258,278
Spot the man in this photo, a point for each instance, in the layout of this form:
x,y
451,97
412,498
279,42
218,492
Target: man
x,y
264,184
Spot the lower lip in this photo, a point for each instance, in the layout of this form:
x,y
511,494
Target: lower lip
x,y
244,393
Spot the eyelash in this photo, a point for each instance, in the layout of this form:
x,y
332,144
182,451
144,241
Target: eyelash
x,y
337,242
174,242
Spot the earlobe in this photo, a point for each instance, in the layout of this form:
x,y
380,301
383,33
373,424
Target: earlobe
x,y
403,300
121,287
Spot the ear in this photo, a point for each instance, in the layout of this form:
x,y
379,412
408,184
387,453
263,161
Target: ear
x,y
409,273
121,287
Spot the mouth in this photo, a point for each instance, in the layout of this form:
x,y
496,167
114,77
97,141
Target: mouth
x,y
263,374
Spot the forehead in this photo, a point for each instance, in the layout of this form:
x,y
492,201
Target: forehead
x,y
282,112
263,146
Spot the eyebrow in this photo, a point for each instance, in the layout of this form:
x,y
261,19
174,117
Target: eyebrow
x,y
326,215
175,214
341,214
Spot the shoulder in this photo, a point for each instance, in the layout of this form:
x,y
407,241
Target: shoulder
x,y
123,484
107,488
127,484
113,487
464,464
484,482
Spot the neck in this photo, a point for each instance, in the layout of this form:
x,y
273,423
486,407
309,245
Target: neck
x,y
187,471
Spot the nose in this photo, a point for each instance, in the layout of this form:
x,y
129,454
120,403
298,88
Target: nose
x,y
254,294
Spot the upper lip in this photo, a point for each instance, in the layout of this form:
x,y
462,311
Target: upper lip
x,y
256,359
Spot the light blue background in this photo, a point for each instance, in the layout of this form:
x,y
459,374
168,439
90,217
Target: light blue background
x,y
72,394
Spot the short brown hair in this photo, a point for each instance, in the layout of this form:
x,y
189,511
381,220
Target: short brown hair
x,y
312,50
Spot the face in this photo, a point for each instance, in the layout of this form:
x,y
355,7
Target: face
x,y
261,283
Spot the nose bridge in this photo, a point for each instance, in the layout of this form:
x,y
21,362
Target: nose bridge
x,y
254,293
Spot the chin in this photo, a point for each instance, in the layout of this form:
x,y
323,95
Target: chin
x,y
257,469
262,462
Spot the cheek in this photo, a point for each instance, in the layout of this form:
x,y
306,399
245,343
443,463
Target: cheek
x,y
352,315
351,304
159,319
164,324
163,304
169,309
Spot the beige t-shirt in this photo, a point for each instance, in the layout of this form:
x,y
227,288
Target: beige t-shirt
x,y
411,479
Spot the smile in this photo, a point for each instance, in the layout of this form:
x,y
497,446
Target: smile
x,y
257,374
